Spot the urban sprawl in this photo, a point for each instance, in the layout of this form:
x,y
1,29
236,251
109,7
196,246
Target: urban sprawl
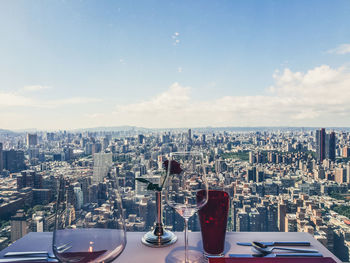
x,y
278,179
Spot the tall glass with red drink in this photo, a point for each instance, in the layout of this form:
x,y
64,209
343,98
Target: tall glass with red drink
x,y
213,220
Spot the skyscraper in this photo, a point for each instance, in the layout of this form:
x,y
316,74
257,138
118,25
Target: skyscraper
x,y
29,178
291,223
242,221
19,227
102,164
79,198
1,159
282,211
320,144
32,139
140,138
340,175
330,146
260,176
251,174
13,160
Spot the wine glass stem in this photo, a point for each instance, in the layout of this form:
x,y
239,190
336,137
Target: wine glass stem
x,y
186,240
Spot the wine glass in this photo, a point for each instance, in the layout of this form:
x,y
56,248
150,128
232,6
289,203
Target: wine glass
x,y
185,177
89,223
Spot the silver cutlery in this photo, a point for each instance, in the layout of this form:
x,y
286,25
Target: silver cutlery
x,y
38,255
64,247
276,255
30,254
278,243
22,259
261,248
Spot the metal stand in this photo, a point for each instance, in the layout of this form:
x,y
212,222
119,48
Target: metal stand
x,y
159,237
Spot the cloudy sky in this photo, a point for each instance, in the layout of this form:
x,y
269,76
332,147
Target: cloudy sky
x,y
79,64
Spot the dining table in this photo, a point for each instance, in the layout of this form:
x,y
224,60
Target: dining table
x,y
135,251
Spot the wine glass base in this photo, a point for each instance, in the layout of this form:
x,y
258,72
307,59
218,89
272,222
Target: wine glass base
x,y
206,255
194,256
150,239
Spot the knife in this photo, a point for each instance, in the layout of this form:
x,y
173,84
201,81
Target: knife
x,y
278,243
22,259
277,255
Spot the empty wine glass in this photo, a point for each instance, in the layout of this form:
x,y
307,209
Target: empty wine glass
x,y
185,177
89,223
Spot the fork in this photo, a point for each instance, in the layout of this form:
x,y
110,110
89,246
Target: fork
x,y
60,249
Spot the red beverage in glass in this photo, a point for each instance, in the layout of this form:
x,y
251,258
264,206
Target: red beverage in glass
x,y
213,220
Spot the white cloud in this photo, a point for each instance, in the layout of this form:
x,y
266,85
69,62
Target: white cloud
x,y
15,99
175,37
175,98
341,49
95,115
319,96
35,88
67,101
8,99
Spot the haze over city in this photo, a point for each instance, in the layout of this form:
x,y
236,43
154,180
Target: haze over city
x,y
117,116
67,65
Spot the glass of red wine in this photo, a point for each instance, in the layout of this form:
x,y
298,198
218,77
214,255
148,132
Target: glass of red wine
x,y
89,223
213,221
185,177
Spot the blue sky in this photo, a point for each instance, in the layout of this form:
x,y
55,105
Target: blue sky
x,y
74,64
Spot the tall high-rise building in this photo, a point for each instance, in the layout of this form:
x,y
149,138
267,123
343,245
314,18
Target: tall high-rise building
x,y
320,144
50,136
251,174
272,216
330,146
291,223
220,166
102,163
242,221
140,138
13,160
29,178
340,175
1,159
254,221
263,216
251,157
189,135
345,152
260,176
282,210
19,227
68,154
32,139
79,198
203,138
105,143
96,148
325,145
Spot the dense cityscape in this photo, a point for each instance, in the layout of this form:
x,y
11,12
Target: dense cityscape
x,y
289,180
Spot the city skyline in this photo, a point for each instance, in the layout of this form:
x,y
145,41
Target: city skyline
x,y
68,65
286,180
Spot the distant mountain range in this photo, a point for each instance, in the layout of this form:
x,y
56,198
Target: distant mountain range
x,y
113,128
2,131
195,129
